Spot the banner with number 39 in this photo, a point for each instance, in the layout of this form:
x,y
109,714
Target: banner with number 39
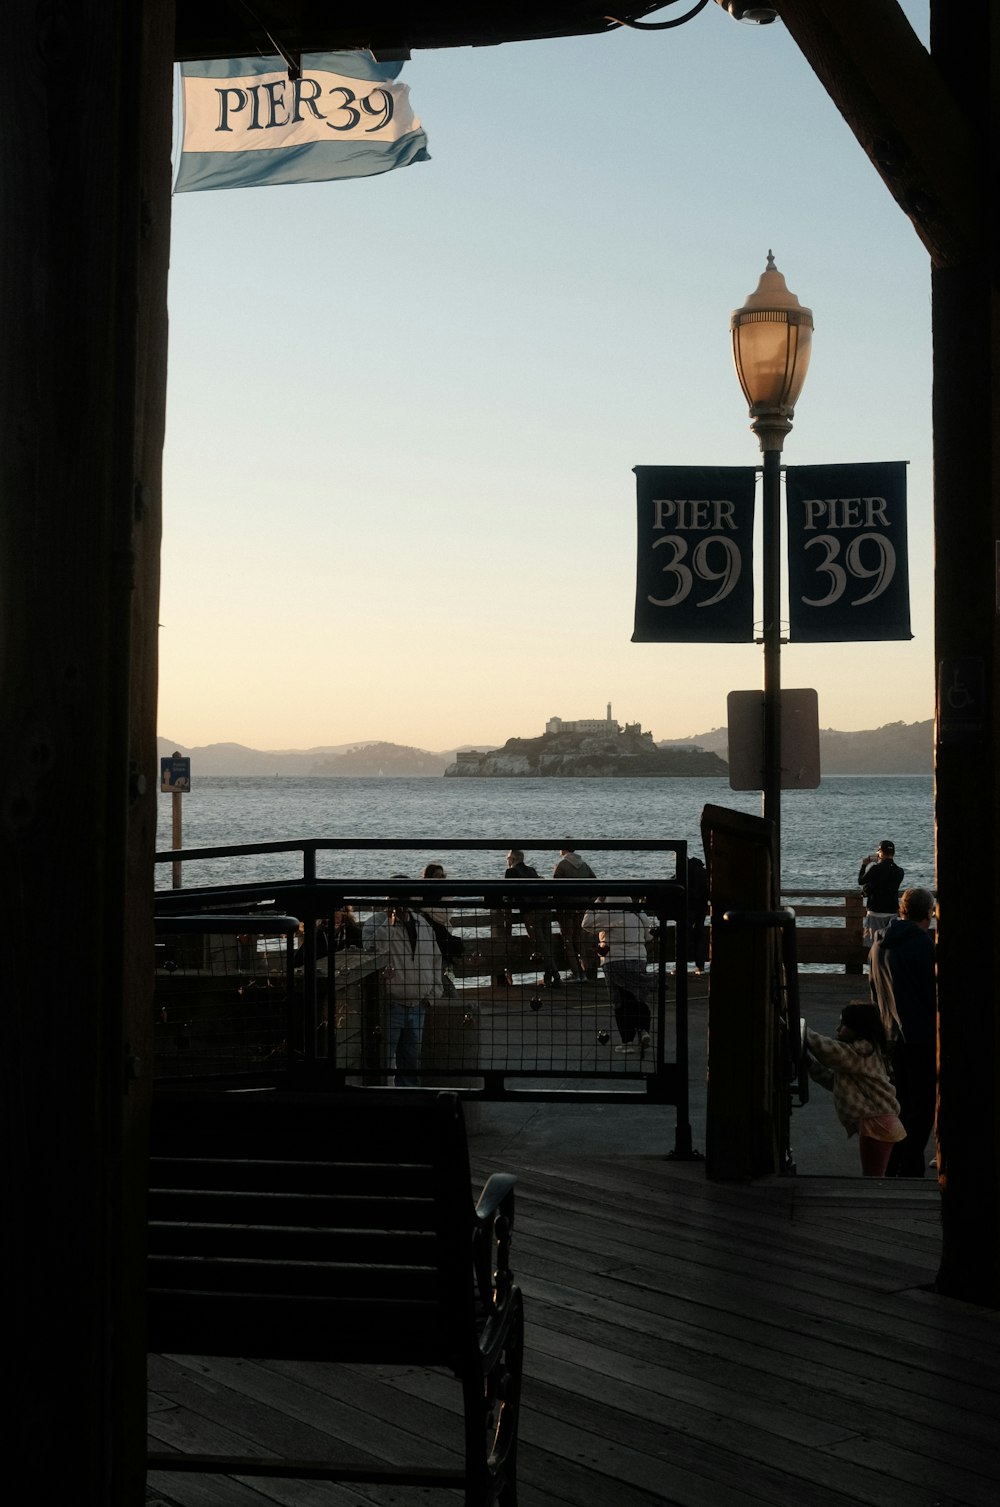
x,y
694,565
848,577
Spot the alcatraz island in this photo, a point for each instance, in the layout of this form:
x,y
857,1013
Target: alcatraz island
x,y
599,748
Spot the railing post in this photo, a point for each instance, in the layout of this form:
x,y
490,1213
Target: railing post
x,y
854,924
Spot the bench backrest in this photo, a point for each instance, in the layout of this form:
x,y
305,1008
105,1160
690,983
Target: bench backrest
x,y
311,1226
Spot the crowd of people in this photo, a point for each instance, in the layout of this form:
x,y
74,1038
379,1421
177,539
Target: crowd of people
x,y
880,1066
609,937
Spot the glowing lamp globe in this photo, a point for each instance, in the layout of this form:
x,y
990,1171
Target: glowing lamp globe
x,y
772,340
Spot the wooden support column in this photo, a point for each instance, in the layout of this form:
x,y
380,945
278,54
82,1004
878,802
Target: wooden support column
x,y
926,119
967,528
966,316
85,122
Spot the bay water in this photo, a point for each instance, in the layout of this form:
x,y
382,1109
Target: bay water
x,y
825,832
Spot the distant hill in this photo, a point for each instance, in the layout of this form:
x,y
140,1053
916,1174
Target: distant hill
x,y
894,748
382,758
716,741
344,759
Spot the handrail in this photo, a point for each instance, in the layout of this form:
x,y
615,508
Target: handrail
x,y
307,845
269,925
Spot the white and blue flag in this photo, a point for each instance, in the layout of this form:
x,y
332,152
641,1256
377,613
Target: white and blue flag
x,y
246,123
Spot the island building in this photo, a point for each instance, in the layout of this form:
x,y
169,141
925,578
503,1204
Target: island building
x,y
606,725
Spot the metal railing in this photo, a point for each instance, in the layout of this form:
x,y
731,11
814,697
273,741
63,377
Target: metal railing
x,y
224,994
507,1021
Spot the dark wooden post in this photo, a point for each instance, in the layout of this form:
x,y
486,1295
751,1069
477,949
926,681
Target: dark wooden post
x,y
967,789
854,922
967,527
743,1138
927,124
85,118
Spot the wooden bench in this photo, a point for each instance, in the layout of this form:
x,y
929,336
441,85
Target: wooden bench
x,y
318,1227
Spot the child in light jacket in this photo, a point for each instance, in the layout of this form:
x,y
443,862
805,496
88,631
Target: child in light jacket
x,y
855,1067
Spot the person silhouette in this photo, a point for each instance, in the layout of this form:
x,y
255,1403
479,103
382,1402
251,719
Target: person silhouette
x,y
880,878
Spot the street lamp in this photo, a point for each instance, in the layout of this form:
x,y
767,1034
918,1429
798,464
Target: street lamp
x,y
772,339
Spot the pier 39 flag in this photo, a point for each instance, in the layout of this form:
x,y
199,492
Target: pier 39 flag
x,y
246,123
847,558
694,563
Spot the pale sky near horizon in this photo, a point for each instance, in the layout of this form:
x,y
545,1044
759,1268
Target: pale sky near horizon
x,y
403,411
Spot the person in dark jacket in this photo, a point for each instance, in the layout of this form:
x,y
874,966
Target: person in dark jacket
x,y
903,989
697,912
880,878
537,919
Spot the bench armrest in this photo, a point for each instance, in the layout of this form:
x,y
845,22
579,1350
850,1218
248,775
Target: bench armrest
x,y
495,1194
494,1221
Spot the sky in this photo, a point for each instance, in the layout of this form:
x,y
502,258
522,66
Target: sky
x,y
403,411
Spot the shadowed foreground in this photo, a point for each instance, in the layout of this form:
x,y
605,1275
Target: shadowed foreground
x,y
687,1342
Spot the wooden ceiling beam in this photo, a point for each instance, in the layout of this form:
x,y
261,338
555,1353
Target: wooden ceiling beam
x,y
891,94
234,28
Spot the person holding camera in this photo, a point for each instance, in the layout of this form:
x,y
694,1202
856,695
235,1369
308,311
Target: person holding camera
x,y
880,878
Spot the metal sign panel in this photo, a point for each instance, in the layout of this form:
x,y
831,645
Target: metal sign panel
x,y
694,568
799,740
847,562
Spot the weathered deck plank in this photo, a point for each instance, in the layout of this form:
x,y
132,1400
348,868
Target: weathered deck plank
x,y
689,1344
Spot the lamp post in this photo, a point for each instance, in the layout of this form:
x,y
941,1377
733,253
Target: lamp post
x,y
772,339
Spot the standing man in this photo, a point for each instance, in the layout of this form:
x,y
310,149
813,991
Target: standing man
x,y
623,940
537,919
571,866
697,912
412,978
902,987
880,878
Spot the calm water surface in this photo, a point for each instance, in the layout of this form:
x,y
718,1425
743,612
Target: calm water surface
x,y
825,832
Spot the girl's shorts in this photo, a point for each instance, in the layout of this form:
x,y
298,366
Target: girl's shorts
x,y
882,1128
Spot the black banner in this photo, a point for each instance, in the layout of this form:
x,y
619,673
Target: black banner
x,y
694,569
848,577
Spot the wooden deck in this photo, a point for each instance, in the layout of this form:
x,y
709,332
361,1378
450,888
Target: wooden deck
x,y
687,1343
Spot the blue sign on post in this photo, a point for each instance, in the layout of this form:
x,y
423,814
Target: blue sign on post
x,y
175,775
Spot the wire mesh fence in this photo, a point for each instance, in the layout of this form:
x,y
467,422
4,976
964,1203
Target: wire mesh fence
x,y
453,990
528,988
